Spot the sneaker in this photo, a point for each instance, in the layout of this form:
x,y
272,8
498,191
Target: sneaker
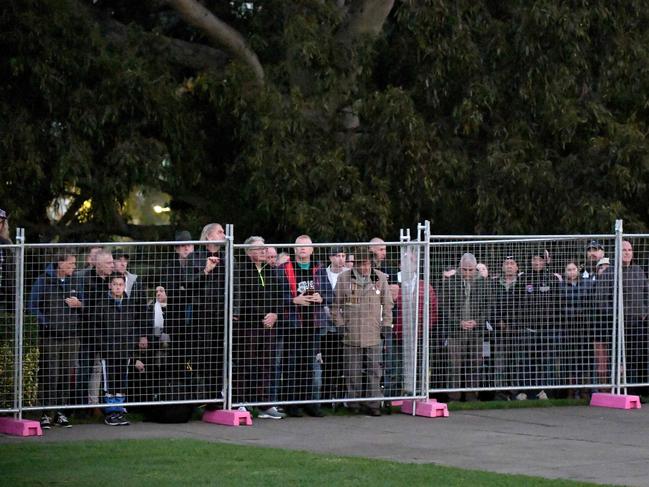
x,y
542,396
112,420
46,422
521,396
271,413
62,420
121,419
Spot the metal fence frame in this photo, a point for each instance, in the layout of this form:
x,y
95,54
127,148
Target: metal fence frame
x,y
425,241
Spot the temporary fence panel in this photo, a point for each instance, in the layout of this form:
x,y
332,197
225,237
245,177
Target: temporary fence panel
x,y
124,324
303,324
321,323
521,317
634,259
11,352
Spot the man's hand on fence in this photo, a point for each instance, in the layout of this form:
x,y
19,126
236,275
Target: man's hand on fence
x,y
269,320
73,302
468,324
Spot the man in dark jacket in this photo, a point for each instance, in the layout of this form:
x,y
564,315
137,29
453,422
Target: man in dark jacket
x,y
176,278
55,303
464,310
207,288
542,326
305,298
635,289
253,334
507,329
94,284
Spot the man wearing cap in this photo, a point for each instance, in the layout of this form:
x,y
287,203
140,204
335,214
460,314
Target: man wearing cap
x,y
506,321
594,252
362,307
7,297
541,313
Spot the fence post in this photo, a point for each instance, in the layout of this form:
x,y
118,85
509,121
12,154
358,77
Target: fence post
x,y
618,313
408,338
19,317
425,383
229,293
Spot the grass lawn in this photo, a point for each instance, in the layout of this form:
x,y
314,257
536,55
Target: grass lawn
x,y
193,462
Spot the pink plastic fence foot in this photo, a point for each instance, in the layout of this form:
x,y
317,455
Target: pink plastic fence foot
x,y
228,417
20,427
428,408
397,403
617,401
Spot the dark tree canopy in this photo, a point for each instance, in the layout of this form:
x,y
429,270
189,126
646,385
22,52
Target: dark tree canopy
x,y
344,119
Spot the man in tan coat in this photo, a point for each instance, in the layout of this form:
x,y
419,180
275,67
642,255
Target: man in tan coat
x,y
362,305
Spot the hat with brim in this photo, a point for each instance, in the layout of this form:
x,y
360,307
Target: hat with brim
x,y
183,236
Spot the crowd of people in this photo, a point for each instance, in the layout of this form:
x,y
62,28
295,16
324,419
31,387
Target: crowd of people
x,y
306,331
535,328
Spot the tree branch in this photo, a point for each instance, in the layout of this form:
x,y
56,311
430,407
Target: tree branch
x,y
365,17
219,32
179,52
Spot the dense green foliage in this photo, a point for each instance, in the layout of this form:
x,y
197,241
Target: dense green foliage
x,y
482,116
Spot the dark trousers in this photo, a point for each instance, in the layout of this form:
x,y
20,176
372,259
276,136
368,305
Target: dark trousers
x,y
300,352
252,365
57,360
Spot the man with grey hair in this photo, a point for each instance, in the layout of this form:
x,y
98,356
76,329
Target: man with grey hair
x,y
254,331
465,297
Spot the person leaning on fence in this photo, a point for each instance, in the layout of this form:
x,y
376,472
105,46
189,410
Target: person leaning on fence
x,y
306,296
464,308
254,330
362,307
121,335
55,302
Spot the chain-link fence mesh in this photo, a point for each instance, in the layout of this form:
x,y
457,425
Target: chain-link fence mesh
x,y
523,316
117,324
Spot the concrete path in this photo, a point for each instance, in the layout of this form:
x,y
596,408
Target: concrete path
x,y
582,443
